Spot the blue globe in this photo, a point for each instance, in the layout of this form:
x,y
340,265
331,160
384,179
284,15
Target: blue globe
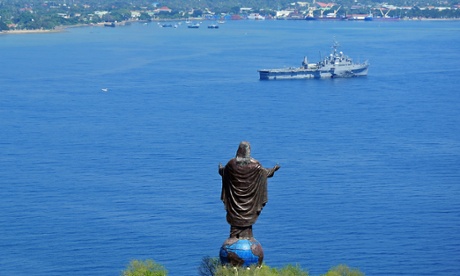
x,y
241,252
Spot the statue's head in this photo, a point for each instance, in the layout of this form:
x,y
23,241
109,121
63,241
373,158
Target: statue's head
x,y
243,155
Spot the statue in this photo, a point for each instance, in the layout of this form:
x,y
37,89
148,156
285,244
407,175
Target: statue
x,y
244,194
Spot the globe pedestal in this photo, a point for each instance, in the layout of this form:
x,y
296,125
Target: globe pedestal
x,y
241,252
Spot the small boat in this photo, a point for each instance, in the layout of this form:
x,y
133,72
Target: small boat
x,y
194,26
214,26
358,17
105,90
335,65
255,16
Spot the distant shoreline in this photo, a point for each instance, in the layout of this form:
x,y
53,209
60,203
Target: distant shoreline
x,y
30,31
58,29
64,27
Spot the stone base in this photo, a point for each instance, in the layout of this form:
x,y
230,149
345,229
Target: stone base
x,y
241,252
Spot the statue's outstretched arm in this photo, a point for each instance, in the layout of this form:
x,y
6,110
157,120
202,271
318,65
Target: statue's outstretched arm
x,y
271,172
221,169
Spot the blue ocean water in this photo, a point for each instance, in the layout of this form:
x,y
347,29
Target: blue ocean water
x,y
91,180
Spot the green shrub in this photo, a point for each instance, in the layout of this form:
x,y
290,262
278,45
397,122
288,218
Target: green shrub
x,y
208,266
212,267
144,268
291,270
343,270
251,271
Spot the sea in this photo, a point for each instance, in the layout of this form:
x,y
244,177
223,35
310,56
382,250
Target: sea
x,y
111,139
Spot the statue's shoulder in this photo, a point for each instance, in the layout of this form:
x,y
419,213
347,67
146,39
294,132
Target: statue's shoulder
x,y
255,162
231,162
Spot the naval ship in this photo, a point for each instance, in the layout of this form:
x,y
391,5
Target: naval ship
x,y
336,65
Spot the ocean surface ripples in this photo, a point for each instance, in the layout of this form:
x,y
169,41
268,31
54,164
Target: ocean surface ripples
x,y
369,166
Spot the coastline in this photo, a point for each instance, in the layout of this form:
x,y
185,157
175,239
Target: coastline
x,y
31,31
57,29
62,28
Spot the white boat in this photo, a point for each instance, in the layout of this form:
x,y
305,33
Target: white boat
x,y
256,16
194,26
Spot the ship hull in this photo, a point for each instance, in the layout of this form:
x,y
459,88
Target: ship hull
x,y
274,74
326,18
302,73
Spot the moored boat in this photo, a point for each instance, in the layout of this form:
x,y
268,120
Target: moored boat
x,y
335,65
255,16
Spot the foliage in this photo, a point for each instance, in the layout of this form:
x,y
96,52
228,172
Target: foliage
x,y
144,268
212,267
3,26
208,266
291,270
39,14
251,271
343,270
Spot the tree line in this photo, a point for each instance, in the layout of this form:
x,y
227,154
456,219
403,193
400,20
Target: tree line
x,y
41,14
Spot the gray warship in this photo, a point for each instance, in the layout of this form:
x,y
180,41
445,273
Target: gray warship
x,y
335,65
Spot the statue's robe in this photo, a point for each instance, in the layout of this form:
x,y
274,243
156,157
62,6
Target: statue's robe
x,y
244,190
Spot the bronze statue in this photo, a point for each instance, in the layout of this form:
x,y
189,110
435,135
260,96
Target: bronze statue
x,y
244,190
